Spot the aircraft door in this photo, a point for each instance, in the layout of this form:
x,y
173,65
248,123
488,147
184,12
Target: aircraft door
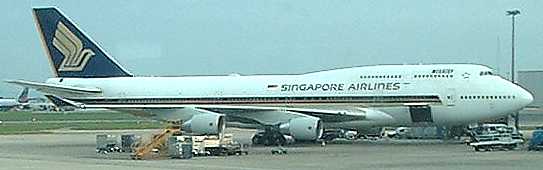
x,y
450,97
421,114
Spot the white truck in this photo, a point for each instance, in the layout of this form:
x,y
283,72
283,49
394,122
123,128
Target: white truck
x,y
207,145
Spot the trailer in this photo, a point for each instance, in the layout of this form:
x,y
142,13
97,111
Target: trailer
x,y
129,142
487,137
106,143
180,147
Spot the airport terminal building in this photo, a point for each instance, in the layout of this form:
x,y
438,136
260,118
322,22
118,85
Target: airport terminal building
x,y
532,80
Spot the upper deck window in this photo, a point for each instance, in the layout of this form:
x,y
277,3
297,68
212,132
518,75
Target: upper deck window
x,y
484,73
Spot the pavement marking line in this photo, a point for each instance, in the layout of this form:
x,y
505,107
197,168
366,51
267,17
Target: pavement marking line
x,y
84,161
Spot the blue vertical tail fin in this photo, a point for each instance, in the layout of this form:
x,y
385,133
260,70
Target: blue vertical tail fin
x,y
71,52
23,97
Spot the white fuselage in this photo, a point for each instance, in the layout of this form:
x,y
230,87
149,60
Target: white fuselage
x,y
456,93
6,103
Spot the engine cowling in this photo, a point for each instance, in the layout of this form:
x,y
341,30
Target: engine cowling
x,y
303,128
209,124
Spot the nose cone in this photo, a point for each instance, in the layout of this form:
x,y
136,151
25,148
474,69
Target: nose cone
x,y
525,97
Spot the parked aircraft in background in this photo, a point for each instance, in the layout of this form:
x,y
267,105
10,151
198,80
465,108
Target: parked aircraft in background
x,y
300,105
22,100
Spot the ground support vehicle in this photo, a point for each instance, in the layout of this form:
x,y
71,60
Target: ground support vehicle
x,y
536,143
107,144
488,137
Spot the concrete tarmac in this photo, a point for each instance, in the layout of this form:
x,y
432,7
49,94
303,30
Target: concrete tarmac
x,y
76,150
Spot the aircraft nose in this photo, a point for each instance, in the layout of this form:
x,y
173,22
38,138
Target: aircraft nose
x,y
525,97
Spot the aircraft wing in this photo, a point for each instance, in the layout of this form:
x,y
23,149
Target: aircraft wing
x,y
262,113
255,112
55,88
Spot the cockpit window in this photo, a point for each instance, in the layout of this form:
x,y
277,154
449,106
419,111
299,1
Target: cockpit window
x,y
484,73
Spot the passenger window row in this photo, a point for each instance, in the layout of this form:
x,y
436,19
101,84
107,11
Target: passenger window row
x,y
381,77
487,97
434,76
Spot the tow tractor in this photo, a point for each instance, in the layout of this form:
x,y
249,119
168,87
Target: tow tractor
x,y
487,137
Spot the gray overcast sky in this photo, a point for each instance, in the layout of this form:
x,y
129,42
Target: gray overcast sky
x,y
187,37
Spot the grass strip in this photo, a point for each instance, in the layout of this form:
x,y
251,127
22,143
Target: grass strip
x,y
42,127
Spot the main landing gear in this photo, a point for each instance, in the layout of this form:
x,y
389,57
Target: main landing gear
x,y
269,137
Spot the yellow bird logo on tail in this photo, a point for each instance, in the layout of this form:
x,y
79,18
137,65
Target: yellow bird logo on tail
x,y
75,57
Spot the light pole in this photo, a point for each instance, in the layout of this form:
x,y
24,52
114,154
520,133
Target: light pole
x,y
513,13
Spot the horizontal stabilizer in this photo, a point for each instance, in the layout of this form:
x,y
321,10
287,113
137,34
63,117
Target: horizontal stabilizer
x,y
60,102
55,88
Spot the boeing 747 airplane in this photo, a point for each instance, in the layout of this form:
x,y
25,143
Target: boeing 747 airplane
x,y
300,105
22,100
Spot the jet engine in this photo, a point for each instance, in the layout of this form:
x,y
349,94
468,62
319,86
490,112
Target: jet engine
x,y
209,124
303,128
